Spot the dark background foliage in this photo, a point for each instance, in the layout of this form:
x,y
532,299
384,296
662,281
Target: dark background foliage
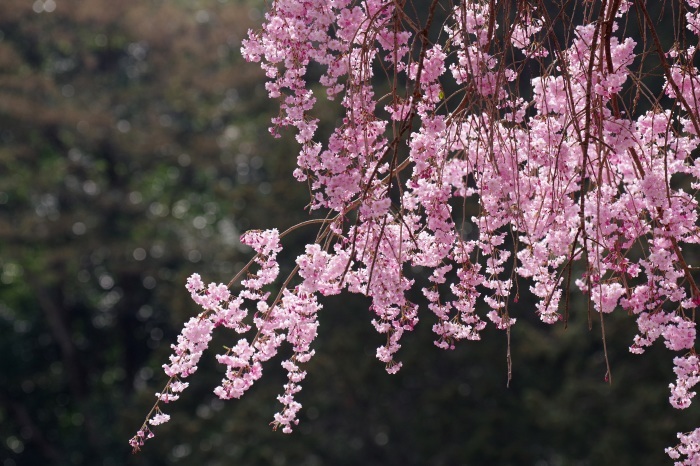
x,y
133,152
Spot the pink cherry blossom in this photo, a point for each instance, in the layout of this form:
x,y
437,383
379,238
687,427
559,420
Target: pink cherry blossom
x,y
450,159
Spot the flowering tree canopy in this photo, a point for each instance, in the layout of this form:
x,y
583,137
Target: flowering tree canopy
x,y
500,146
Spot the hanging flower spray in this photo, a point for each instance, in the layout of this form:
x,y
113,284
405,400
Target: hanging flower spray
x,y
582,171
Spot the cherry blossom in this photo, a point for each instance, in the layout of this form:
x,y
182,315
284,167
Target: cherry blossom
x,y
509,154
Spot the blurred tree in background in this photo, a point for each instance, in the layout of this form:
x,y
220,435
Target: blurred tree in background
x,y
133,150
128,155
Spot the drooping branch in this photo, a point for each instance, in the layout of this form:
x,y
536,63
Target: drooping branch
x,y
531,116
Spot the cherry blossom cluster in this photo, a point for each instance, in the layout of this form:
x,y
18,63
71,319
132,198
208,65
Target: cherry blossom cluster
x,y
443,166
222,309
689,447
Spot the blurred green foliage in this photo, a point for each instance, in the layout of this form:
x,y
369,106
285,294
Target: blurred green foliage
x,y
128,152
133,150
